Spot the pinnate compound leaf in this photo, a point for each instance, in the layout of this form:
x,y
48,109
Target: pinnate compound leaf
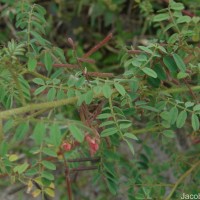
x,y
176,6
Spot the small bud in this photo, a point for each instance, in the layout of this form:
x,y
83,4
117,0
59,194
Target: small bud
x,y
85,71
71,42
93,145
67,146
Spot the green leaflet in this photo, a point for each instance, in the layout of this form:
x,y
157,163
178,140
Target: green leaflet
x,y
55,135
161,17
170,64
88,97
39,133
32,63
38,81
174,114
108,132
77,133
48,61
49,165
51,94
169,133
49,152
149,72
179,62
21,168
181,119
21,130
107,91
130,136
195,122
120,88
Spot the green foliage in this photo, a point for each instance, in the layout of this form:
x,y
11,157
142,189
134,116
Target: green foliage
x,y
58,109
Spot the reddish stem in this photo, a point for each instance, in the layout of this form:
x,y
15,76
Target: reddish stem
x,y
87,60
84,168
134,51
71,66
99,74
99,45
68,184
84,159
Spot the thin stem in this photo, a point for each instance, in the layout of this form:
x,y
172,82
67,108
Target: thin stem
x,y
84,168
53,104
1,131
67,177
97,159
36,74
175,24
181,107
145,130
60,65
99,45
181,89
31,107
187,173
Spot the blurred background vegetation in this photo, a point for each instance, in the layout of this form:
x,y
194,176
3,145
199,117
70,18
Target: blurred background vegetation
x,y
89,21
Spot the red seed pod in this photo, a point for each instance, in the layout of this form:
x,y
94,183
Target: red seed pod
x,y
93,144
66,146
